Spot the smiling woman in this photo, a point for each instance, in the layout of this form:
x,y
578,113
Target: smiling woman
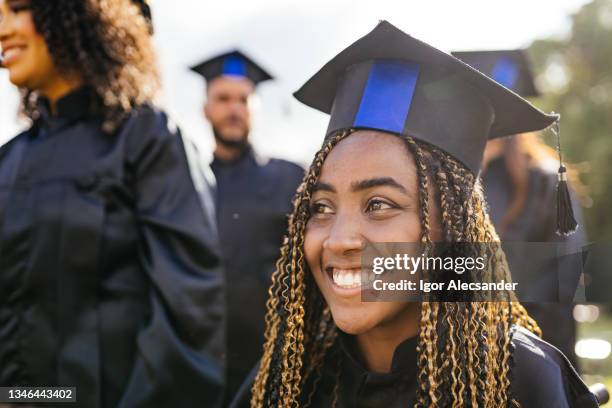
x,y
110,275
26,54
50,47
399,163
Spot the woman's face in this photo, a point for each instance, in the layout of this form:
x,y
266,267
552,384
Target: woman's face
x,y
24,51
367,193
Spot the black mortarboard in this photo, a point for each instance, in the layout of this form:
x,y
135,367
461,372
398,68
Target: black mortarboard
x,y
392,82
508,67
233,63
511,69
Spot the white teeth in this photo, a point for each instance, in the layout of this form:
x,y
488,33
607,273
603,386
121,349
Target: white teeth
x,y
347,278
10,53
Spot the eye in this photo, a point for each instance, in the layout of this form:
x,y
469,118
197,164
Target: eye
x,y
377,204
223,98
320,209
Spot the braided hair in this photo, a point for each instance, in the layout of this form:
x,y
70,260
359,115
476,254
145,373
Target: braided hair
x,y
463,351
107,43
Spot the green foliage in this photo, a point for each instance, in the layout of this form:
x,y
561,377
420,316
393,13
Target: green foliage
x,y
576,79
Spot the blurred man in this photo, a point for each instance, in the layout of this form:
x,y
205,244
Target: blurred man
x,y
520,181
254,197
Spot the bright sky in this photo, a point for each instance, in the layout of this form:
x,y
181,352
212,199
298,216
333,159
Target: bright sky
x,y
293,39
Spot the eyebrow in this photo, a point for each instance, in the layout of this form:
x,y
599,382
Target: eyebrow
x,y
323,187
377,182
364,185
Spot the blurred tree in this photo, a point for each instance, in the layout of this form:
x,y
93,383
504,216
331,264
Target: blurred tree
x,y
576,81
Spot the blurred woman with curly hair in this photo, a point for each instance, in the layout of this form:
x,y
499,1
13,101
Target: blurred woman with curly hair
x,y
400,164
109,270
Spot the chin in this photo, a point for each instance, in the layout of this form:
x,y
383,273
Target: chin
x,y
234,133
354,323
18,79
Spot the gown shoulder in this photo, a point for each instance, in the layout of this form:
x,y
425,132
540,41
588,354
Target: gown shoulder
x,y
543,377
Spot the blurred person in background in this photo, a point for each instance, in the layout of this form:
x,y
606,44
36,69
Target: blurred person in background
x,y
520,185
110,274
254,196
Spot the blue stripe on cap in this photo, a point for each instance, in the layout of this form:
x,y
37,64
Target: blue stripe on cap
x,y
387,96
234,65
505,72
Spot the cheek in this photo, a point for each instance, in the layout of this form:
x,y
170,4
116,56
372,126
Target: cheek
x,y
313,247
213,111
245,112
42,55
35,68
313,251
405,228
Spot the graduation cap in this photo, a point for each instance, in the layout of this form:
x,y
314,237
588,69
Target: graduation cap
x,y
392,82
510,68
233,63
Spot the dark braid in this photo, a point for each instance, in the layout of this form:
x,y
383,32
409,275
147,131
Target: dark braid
x,y
104,42
269,388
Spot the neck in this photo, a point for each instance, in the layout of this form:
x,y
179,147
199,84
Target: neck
x,y
228,153
378,345
55,90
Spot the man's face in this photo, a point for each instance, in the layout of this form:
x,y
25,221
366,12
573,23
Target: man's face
x,y
227,109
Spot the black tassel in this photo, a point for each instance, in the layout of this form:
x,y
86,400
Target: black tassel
x,y
566,221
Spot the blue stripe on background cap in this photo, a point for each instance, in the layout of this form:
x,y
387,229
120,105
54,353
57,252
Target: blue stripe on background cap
x,y
234,65
387,96
505,72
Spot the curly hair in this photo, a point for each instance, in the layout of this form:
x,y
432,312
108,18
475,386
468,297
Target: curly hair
x,y
108,44
463,352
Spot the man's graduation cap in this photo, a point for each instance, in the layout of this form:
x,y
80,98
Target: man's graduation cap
x,y
392,82
510,68
233,63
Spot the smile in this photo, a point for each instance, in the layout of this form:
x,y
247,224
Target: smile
x,y
10,54
346,278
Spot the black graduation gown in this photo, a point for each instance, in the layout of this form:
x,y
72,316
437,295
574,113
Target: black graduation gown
x,y
110,276
537,223
541,377
254,200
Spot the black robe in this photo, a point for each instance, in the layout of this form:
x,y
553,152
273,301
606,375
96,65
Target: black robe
x,y
254,201
541,377
110,277
537,223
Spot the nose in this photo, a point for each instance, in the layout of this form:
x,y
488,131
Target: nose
x,y
238,108
344,236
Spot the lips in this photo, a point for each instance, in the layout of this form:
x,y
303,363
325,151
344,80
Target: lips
x,y
11,53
